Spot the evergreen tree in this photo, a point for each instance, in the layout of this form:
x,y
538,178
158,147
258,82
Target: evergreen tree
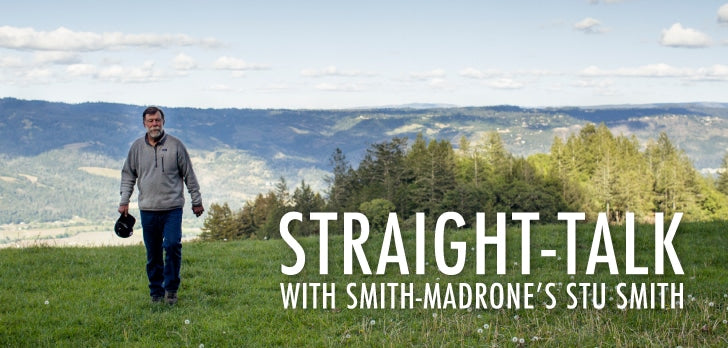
x,y
221,223
722,182
383,173
341,183
497,158
432,167
469,163
676,186
420,183
306,201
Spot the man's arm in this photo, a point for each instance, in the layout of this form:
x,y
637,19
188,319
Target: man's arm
x,y
190,179
128,179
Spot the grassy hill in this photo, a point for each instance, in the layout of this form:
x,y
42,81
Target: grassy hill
x,y
231,296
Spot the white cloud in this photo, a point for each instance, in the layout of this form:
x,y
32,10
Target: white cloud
x,y
504,79
600,87
593,83
118,73
275,86
590,26
81,70
143,74
428,75
237,73
63,39
39,74
438,83
236,64
679,36
505,83
478,74
713,73
219,88
57,57
651,70
32,76
536,73
331,71
723,14
330,87
184,62
716,72
11,62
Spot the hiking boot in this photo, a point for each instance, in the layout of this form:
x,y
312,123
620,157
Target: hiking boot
x,y
170,298
157,299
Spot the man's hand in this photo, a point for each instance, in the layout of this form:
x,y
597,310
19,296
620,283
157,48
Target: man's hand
x,y
124,209
198,210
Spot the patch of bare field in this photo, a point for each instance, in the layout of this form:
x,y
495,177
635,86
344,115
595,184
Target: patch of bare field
x,y
74,236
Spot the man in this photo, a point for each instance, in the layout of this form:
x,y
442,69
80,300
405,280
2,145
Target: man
x,y
159,164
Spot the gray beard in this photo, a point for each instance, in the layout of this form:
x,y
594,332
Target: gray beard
x,y
155,138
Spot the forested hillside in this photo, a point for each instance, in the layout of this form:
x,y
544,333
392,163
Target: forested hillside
x,y
592,171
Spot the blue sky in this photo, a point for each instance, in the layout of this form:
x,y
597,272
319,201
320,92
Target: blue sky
x,y
341,54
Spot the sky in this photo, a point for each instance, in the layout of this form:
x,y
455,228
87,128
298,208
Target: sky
x,y
348,54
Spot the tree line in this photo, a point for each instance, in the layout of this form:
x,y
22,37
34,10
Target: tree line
x,y
591,171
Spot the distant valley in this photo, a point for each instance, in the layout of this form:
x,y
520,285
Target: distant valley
x,y
60,162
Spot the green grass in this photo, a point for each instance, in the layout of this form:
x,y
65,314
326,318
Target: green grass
x,y
230,296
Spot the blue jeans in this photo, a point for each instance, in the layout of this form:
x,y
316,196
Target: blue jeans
x,y
163,232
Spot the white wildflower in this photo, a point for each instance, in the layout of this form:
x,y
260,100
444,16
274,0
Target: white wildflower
x,y
372,322
480,331
187,322
514,339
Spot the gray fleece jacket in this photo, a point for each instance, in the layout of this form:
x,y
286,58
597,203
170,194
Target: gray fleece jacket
x,y
159,172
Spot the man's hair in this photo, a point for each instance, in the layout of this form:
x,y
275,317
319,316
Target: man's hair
x,y
151,111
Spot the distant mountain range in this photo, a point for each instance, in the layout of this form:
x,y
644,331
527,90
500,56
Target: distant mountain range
x,y
242,151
